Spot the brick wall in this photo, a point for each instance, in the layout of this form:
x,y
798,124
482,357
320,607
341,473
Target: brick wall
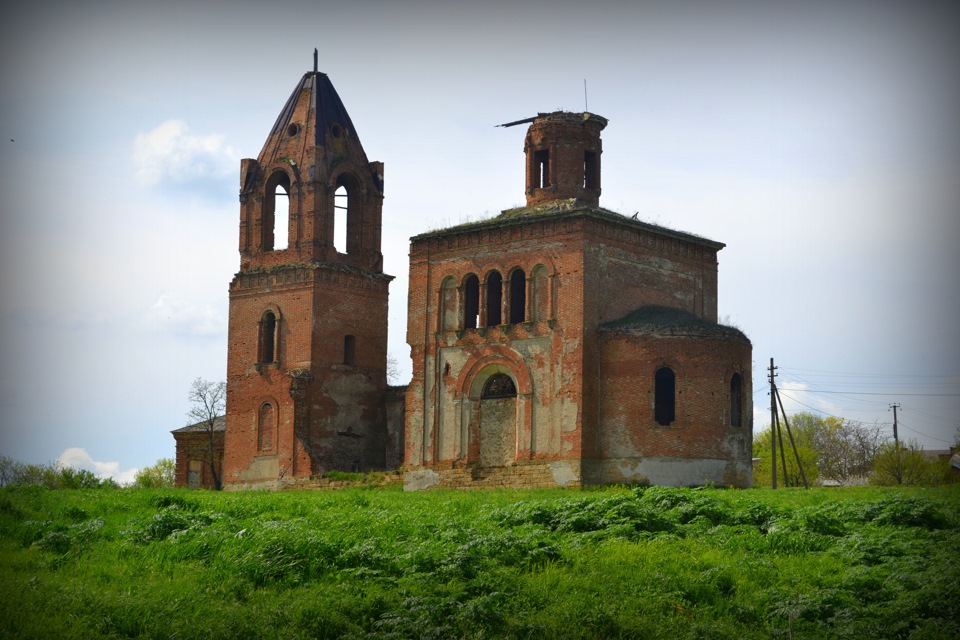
x,y
195,447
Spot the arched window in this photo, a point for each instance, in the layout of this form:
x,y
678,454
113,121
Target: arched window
x,y
494,298
665,382
267,339
471,302
500,385
736,400
346,214
341,199
518,296
266,427
349,350
275,222
539,294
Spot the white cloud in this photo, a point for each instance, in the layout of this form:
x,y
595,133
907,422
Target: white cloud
x,y
171,154
170,313
78,458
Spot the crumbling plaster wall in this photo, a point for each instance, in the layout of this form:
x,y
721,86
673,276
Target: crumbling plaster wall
x,y
440,409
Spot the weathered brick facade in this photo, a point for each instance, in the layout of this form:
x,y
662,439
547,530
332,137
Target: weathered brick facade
x,y
557,344
306,370
573,315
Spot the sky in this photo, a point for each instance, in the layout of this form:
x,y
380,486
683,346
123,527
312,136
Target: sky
x,y
818,140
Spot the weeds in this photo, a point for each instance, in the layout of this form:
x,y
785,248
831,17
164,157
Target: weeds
x,y
360,563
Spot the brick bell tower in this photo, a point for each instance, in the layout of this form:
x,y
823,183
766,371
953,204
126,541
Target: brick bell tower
x,y
306,370
563,157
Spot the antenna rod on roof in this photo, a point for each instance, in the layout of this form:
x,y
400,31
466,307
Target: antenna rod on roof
x,y
585,108
314,59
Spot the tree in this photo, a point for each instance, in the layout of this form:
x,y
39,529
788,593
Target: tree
x,y
898,463
209,403
762,449
845,448
393,369
158,476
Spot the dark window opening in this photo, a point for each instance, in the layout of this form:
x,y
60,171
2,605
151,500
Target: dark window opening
x,y
664,396
268,338
471,302
541,168
500,385
494,299
736,400
349,350
518,296
591,177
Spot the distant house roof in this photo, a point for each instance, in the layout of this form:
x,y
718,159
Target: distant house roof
x,y
219,424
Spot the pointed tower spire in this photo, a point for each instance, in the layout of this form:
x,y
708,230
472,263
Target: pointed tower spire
x,y
314,157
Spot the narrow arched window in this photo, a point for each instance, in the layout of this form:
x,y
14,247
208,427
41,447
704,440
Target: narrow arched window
x,y
349,350
267,339
665,382
266,427
494,298
347,214
275,221
341,208
518,296
471,302
499,385
736,400
281,218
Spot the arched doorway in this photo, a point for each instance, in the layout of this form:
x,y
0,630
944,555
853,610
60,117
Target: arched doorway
x,y
496,430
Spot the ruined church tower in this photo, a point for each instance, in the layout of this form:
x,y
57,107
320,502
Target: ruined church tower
x,y
306,370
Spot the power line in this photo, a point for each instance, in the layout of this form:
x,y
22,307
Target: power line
x,y
923,434
885,393
875,375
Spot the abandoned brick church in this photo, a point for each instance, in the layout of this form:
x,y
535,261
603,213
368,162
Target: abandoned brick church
x,y
557,344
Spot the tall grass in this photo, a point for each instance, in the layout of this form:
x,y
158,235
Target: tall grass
x,y
377,563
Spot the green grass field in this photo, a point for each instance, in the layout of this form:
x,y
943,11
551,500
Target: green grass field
x,y
378,563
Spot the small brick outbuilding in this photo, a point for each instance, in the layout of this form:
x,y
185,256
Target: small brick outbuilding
x,y
193,454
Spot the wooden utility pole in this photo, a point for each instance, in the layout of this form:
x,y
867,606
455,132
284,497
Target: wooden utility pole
x,y
773,424
895,406
793,445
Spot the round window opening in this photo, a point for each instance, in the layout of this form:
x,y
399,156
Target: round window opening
x,y
335,131
499,385
293,129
